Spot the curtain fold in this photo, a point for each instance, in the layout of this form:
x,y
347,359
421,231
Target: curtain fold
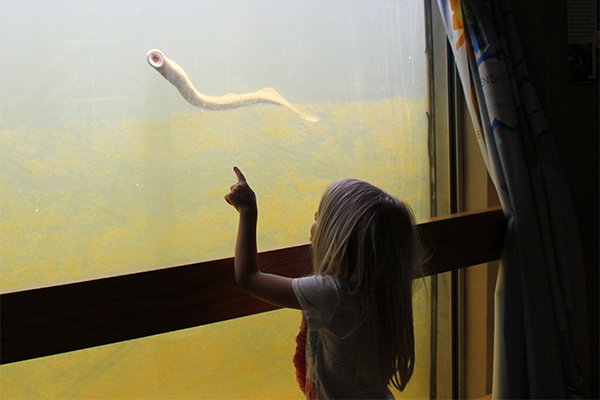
x,y
540,319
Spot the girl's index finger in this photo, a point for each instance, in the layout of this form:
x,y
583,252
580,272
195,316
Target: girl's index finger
x,y
240,176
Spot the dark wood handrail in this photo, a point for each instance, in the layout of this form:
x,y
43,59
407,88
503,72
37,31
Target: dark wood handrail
x,y
42,321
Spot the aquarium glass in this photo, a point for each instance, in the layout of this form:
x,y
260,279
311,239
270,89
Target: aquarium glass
x,y
105,167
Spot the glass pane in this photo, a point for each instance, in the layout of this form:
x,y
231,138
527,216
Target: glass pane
x,y
105,167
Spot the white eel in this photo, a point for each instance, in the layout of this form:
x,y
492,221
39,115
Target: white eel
x,y
177,76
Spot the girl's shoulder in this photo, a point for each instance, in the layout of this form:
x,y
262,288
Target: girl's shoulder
x,y
317,286
324,298
319,297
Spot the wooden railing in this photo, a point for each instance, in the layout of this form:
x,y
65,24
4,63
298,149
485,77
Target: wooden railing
x,y
42,321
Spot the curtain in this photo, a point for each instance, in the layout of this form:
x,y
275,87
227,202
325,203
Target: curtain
x,y
540,318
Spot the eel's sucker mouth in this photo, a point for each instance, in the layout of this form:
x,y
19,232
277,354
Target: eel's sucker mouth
x,y
156,58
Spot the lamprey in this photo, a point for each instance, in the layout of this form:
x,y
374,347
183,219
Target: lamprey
x,y
177,76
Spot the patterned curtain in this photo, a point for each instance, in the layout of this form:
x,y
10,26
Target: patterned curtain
x,y
540,319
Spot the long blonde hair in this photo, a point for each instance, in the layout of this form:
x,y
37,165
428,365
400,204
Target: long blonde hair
x,y
367,238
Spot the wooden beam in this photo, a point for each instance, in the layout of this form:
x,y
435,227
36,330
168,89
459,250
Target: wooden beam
x,y
56,319
463,240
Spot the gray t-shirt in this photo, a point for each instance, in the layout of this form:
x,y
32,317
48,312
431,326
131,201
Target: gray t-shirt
x,y
335,334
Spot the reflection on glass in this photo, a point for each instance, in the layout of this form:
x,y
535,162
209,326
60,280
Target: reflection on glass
x,y
105,167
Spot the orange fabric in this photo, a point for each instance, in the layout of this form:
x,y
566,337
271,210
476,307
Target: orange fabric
x,y
307,387
300,355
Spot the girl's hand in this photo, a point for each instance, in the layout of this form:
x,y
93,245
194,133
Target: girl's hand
x,y
241,196
273,289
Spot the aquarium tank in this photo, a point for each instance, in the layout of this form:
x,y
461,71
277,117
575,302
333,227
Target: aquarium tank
x,y
106,167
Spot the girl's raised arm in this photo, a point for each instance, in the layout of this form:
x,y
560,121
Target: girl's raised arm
x,y
271,288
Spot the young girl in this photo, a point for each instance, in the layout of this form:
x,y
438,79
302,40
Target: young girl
x,y
357,307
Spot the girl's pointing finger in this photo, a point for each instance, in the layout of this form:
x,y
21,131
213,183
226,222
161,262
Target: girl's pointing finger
x,y
240,176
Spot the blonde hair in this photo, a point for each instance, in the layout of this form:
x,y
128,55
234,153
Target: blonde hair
x,y
367,238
